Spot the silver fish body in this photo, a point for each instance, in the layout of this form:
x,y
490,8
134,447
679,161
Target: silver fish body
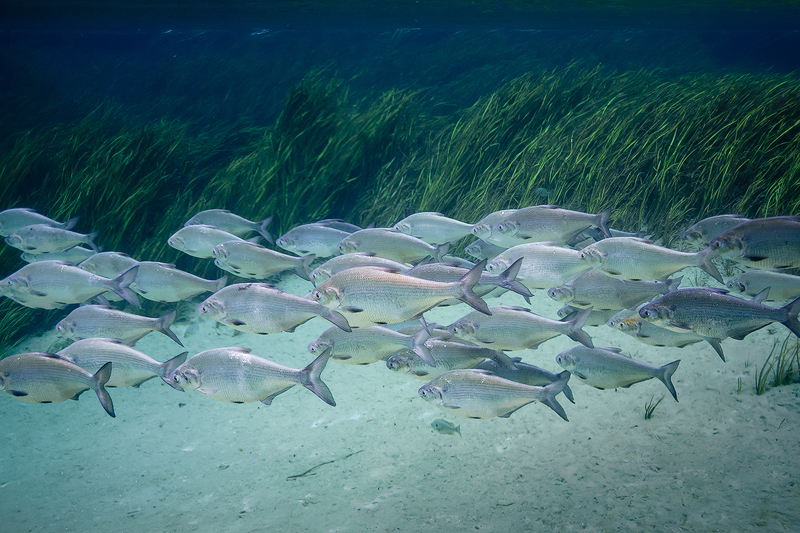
x,y
103,321
766,243
108,264
653,335
162,282
253,261
231,223
448,273
46,378
317,239
475,393
334,265
369,295
16,218
44,238
526,374
483,228
640,259
74,255
544,265
198,241
546,223
781,286
446,428
607,368
433,228
261,308
447,355
601,292
517,328
235,375
391,244
364,346
481,249
130,367
709,228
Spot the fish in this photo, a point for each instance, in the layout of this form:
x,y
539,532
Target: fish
x,y
236,375
607,368
639,259
131,367
446,428
546,223
716,315
483,228
472,393
517,328
448,272
433,228
766,243
318,239
74,255
253,261
198,241
261,308
227,221
541,191
17,218
54,284
781,286
544,265
162,282
391,244
708,229
372,295
652,335
527,374
363,346
601,292
481,249
447,355
340,224
334,265
38,377
107,264
44,238
103,321
596,318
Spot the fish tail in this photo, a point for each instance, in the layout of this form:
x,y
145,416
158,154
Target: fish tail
x,y
165,322
336,318
220,283
458,430
168,367
508,280
71,223
673,284
704,261
793,309
577,334
90,240
312,380
262,229
99,380
567,390
551,391
441,251
467,283
603,222
665,375
419,348
120,285
304,270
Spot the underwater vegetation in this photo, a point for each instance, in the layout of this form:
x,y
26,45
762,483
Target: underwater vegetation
x,y
659,150
783,362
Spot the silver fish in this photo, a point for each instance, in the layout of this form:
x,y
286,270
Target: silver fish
x,y
516,328
235,375
607,368
74,255
261,308
317,239
43,238
46,378
392,245
364,346
373,295
339,224
481,249
108,264
227,221
708,229
544,265
767,243
447,355
54,284
16,218
715,315
596,318
652,335
131,367
601,292
433,228
483,228
448,273
446,428
546,223
334,265
162,282
640,259
253,261
480,394
103,321
198,241
781,286
526,374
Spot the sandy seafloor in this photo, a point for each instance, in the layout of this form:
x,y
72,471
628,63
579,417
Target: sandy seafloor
x,y
175,462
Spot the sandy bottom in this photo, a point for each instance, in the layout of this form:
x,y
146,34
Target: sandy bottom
x,y
175,462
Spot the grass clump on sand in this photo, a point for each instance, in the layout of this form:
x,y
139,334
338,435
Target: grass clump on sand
x,y
783,363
